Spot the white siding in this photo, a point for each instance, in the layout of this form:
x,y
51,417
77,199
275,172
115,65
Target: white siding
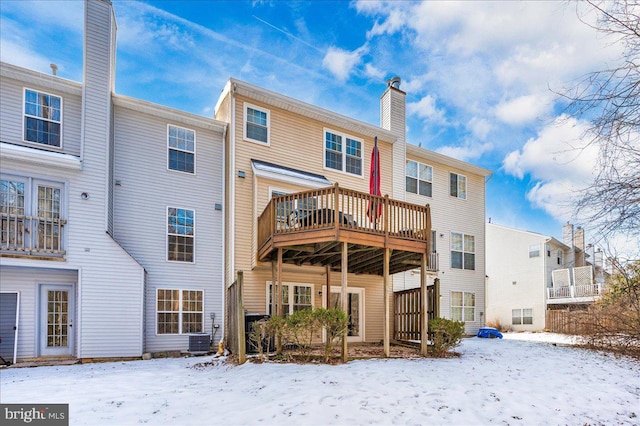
x,y
26,281
515,280
12,85
146,188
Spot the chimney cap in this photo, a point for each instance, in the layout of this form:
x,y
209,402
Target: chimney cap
x,y
394,82
54,69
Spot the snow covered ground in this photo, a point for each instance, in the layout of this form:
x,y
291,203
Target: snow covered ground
x,y
523,379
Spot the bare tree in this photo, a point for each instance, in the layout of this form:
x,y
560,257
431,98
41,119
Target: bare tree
x,y
610,100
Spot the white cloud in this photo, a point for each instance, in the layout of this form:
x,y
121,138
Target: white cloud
x,y
479,127
17,55
559,163
524,109
341,62
426,108
467,152
373,72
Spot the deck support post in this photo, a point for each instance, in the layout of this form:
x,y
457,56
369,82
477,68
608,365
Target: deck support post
x,y
327,296
424,321
385,285
278,295
345,302
274,281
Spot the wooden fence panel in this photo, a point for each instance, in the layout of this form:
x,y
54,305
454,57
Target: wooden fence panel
x,y
234,319
406,325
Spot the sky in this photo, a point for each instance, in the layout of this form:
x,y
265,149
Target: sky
x,y
481,78
523,379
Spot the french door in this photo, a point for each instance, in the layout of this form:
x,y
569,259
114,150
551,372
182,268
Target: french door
x,y
355,310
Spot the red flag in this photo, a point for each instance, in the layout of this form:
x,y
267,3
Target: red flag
x,y
374,210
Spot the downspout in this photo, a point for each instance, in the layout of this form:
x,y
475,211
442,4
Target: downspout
x,y
224,221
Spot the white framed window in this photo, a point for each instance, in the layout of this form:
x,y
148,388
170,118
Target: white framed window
x,y
300,206
179,311
180,235
534,250
256,124
295,297
181,149
548,247
458,185
522,316
419,178
559,257
342,152
463,249
463,306
42,118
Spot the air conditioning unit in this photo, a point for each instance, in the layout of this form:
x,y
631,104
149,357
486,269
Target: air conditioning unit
x,y
199,342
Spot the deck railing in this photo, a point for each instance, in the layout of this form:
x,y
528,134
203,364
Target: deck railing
x,y
354,210
574,291
31,235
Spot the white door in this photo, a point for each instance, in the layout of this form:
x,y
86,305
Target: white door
x,y
56,320
355,310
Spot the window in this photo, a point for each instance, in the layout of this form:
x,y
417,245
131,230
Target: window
x,y
559,257
548,250
24,198
182,149
342,153
419,178
256,124
300,298
534,250
521,316
463,306
463,248
180,234
302,207
180,311
42,118
458,185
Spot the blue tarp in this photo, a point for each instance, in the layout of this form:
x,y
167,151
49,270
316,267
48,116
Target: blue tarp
x,y
487,332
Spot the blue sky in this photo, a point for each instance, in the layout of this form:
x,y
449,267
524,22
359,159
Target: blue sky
x,y
477,74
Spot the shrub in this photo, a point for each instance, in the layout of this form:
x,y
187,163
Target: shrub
x,y
277,328
446,334
335,322
300,327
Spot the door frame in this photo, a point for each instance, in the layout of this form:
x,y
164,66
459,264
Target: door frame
x,y
70,349
16,324
356,290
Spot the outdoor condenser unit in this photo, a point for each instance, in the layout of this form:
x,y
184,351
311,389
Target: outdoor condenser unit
x,y
199,342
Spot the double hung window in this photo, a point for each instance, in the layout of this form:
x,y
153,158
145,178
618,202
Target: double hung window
x,y
180,235
256,124
295,297
342,152
182,149
419,178
458,185
463,306
522,316
463,248
42,118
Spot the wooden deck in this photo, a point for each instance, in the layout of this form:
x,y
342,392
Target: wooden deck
x,y
310,227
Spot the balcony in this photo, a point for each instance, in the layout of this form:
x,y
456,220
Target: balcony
x,y
574,285
31,236
311,226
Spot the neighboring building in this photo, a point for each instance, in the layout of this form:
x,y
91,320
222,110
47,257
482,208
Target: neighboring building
x,y
530,273
110,247
278,146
